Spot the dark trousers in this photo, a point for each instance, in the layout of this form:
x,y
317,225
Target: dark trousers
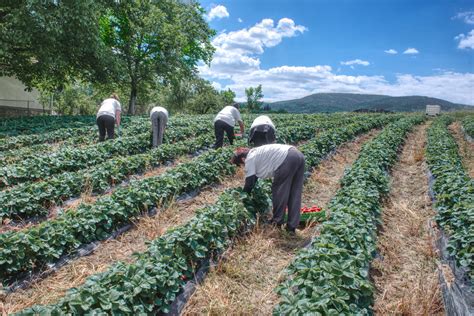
x,y
219,128
106,123
287,188
158,124
262,135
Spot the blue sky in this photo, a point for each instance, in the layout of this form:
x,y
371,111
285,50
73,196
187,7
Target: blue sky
x,y
295,48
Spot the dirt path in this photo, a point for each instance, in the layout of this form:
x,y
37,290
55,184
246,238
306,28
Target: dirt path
x,y
466,149
75,273
244,282
406,276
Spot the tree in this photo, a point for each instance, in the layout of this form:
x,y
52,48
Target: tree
x,y
151,39
52,42
227,96
254,97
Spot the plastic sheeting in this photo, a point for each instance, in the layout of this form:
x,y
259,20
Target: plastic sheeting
x,y
455,283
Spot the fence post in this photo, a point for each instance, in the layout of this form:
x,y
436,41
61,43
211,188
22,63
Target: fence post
x,y
28,106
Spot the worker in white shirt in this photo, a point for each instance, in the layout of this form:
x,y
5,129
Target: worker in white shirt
x,y
262,131
224,122
159,119
107,116
285,164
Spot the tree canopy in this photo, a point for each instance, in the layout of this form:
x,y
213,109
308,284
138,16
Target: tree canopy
x,y
135,45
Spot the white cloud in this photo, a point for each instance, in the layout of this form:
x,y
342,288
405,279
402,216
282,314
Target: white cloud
x,y
467,16
355,62
236,65
240,20
217,12
237,52
391,51
411,51
466,41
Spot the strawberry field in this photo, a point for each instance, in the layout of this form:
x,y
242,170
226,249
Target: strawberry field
x,y
66,200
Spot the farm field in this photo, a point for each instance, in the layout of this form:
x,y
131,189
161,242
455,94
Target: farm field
x,y
120,228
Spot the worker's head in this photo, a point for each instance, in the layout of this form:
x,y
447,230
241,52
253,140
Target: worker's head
x,y
236,105
114,96
240,155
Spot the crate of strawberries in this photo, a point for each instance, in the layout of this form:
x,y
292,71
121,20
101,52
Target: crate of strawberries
x,y
312,214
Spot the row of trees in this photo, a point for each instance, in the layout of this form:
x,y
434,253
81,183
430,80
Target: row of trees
x,y
77,52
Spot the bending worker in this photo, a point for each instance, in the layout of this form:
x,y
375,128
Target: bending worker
x,y
285,164
107,116
159,119
225,121
262,131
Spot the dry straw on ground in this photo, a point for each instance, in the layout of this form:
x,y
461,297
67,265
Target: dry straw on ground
x,y
406,275
75,273
466,149
244,282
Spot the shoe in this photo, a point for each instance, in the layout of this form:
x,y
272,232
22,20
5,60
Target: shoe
x,y
291,231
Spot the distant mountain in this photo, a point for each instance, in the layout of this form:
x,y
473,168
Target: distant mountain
x,y
348,102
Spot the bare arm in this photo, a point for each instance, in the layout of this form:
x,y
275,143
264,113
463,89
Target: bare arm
x,y
117,117
241,124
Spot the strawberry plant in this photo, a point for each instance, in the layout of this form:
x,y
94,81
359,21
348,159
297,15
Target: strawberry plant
x,y
454,193
34,198
152,282
71,159
331,275
468,125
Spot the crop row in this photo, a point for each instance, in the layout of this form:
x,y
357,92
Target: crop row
x,y
330,277
41,124
47,241
468,126
454,193
152,282
71,159
34,198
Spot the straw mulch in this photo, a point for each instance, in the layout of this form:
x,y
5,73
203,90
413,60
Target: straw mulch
x,y
405,274
466,149
243,283
75,273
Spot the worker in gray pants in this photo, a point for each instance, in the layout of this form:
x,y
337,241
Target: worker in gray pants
x,y
159,119
285,164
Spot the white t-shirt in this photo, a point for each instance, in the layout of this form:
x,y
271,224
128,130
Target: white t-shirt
x,y
229,114
264,160
159,109
262,120
108,107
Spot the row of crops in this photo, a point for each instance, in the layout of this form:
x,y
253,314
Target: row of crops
x,y
152,282
330,276
454,192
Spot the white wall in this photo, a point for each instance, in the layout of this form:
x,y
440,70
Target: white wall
x,y
12,89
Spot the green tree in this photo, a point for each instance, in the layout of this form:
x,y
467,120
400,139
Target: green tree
x,y
227,96
254,98
151,39
52,42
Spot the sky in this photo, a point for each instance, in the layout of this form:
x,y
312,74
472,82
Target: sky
x,y
299,47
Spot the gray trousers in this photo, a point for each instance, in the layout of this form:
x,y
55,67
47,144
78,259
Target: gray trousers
x,y
287,188
158,124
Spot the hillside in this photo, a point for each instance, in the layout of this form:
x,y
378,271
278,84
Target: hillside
x,y
339,102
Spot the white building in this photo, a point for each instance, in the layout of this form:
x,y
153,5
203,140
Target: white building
x,y
14,100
